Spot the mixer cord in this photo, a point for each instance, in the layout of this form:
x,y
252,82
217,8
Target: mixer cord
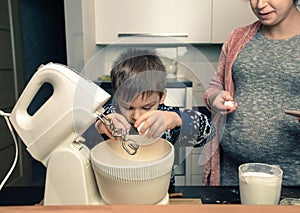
x,y
6,115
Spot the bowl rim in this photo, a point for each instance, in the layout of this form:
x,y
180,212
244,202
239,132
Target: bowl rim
x,y
150,164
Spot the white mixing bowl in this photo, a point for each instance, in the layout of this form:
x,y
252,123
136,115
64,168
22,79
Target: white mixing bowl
x,y
142,178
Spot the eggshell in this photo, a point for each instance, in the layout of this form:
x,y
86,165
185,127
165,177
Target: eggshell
x,y
229,103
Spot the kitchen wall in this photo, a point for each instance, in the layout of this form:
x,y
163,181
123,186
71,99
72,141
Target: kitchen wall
x,y
8,91
196,63
43,41
95,60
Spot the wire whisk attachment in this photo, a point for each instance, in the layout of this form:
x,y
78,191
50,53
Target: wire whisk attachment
x,y
129,145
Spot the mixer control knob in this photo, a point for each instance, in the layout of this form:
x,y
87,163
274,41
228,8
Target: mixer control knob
x,y
79,139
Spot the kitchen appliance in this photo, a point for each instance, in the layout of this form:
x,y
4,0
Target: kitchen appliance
x,y
52,135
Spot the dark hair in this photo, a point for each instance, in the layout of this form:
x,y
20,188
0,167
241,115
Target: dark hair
x,y
137,72
296,2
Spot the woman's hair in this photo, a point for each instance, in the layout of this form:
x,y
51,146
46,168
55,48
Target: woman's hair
x,y
137,72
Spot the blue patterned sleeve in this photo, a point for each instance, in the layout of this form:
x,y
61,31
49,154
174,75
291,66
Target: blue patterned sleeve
x,y
196,129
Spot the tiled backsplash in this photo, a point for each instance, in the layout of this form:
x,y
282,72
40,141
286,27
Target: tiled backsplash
x,y
197,64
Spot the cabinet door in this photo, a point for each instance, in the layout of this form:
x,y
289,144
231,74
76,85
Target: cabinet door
x,y
176,97
228,15
167,21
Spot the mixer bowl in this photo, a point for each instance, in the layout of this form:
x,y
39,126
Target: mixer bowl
x,y
142,178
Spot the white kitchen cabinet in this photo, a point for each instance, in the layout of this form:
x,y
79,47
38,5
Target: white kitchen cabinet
x,y
181,97
167,21
228,15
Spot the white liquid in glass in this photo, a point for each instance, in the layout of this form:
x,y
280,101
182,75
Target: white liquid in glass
x,y
259,188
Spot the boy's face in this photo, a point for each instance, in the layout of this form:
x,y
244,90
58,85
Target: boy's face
x,y
141,104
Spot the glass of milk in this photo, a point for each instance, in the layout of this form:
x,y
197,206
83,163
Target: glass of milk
x,y
260,183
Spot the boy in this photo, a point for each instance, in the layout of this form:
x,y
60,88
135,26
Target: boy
x,y
139,84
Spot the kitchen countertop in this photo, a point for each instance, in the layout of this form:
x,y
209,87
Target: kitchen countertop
x,y
171,83
31,195
155,208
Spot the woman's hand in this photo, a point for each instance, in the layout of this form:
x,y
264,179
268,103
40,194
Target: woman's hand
x,y
155,122
119,121
218,103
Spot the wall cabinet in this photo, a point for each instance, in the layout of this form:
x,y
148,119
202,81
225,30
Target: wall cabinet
x,y
168,21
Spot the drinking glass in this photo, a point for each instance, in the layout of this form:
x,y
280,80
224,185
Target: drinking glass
x,y
260,183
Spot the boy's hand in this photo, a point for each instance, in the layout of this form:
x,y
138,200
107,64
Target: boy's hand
x,y
119,121
156,122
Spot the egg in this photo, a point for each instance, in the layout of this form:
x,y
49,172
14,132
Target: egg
x,y
139,129
229,103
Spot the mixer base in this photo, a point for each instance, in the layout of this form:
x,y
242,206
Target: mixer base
x,y
164,201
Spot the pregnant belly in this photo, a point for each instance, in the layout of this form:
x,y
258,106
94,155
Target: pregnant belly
x,y
249,140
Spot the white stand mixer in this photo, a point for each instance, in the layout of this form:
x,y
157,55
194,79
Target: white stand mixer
x,y
53,133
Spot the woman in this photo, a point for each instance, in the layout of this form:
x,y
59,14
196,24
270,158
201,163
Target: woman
x,y
259,69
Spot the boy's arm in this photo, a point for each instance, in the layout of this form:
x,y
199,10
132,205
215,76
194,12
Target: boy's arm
x,y
196,129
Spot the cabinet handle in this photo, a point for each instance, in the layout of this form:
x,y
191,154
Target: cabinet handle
x,y
153,34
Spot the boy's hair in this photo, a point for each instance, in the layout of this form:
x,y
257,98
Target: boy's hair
x,y
137,72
